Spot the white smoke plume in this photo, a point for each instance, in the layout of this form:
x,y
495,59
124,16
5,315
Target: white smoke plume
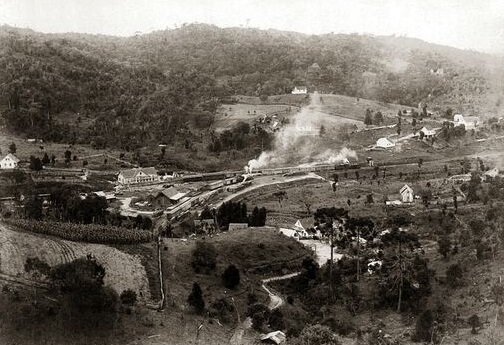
x,y
299,143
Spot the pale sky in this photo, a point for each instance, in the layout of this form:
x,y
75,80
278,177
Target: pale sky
x,y
469,24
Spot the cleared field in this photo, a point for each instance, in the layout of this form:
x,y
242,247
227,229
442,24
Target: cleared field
x,y
351,108
26,149
123,271
230,114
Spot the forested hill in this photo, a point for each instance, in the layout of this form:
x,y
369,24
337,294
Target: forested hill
x,y
128,92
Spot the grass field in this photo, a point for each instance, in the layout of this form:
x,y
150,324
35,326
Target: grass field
x,y
123,271
253,251
351,108
231,114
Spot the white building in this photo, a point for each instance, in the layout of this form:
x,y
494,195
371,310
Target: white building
x,y
406,193
427,133
9,162
469,122
138,175
384,143
300,90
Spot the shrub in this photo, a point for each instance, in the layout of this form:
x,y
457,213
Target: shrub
x,y
259,314
195,298
475,323
204,257
231,277
251,298
317,335
454,275
128,297
222,310
276,320
423,327
444,244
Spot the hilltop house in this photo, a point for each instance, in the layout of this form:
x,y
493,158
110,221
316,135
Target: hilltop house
x,y
9,162
300,90
384,143
138,175
406,194
469,122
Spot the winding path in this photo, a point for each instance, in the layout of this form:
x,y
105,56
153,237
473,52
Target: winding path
x,y
276,301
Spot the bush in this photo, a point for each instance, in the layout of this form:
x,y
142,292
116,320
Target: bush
x,y
259,314
454,275
195,298
475,323
204,257
276,320
231,277
423,327
222,310
341,323
128,297
317,335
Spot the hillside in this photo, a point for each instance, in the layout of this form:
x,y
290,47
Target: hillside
x,y
166,86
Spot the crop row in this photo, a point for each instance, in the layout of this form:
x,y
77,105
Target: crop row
x,y
92,233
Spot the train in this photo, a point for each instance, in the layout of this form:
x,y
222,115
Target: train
x,y
228,175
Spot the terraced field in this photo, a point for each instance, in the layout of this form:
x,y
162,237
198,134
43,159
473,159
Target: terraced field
x,y
123,271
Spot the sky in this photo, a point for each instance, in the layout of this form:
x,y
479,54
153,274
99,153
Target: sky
x,y
467,24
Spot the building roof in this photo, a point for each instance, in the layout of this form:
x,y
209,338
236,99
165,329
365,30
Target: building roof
x,y
427,131
233,226
12,157
384,142
298,225
277,337
130,173
172,193
471,119
406,188
492,173
209,221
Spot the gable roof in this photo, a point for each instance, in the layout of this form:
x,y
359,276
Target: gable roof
x,y
277,337
406,188
130,173
384,142
427,131
471,119
12,157
234,226
209,221
172,193
298,225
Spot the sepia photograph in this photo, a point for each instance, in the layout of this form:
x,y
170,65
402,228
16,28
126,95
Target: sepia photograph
x,y
249,172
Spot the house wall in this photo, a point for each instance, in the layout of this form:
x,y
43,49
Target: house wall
x,y
7,163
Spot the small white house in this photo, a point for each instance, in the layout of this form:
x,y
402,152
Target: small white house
x,y
384,143
406,194
300,90
427,133
9,162
469,122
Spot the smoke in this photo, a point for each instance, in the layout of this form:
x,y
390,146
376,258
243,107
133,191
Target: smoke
x,y
299,142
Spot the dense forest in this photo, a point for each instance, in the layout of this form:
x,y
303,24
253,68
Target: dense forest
x,y
155,88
